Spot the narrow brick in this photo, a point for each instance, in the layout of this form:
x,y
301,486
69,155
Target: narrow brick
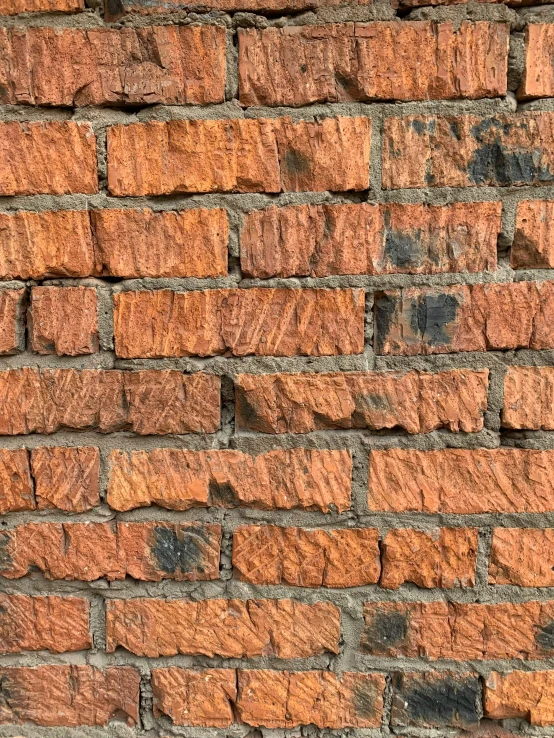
x,y
529,398
521,694
342,62
51,158
538,75
238,155
116,10
522,556
66,478
12,321
452,630
279,479
533,244
263,322
16,485
144,243
69,696
417,402
63,320
462,481
149,551
444,558
101,66
324,240
467,150
56,624
267,554
285,629
14,7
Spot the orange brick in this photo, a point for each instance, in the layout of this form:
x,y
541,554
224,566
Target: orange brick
x,y
64,320
263,322
16,485
538,76
436,700
66,478
533,245
414,401
520,694
13,7
529,398
341,62
522,556
52,158
12,327
279,479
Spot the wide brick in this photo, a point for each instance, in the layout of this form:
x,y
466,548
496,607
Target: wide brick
x,y
533,244
115,10
267,554
462,481
538,76
341,62
66,478
436,700
279,479
240,322
147,402
522,556
323,240
128,66
445,558
16,485
520,694
238,155
450,630
285,629
467,150
63,320
479,317
149,551
12,321
52,158
69,696
54,624
144,243
529,398
13,7
415,401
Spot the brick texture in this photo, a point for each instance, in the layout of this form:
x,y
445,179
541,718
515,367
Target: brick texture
x,y
529,398
64,320
436,700
66,478
533,246
522,556
12,338
13,7
521,694
16,485
538,76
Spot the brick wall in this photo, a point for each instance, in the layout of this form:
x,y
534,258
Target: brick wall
x,y
277,368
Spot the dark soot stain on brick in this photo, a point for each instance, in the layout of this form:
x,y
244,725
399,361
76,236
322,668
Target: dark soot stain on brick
x,y
447,701
179,549
384,631
430,315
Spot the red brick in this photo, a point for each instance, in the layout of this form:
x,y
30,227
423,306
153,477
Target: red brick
x,y
522,556
341,62
520,694
436,700
69,696
445,558
66,478
533,245
451,630
88,551
144,243
12,327
147,402
256,6
16,485
538,76
479,317
267,554
63,320
101,66
279,479
462,481
54,624
13,7
414,401
323,240
230,628
240,322
529,398
467,150
238,155
52,158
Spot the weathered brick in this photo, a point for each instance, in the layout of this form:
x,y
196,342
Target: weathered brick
x,y
462,481
451,630
341,62
13,7
87,551
53,158
346,557
54,624
231,628
69,696
415,401
323,240
279,479
529,398
443,558
238,155
436,700
116,10
147,402
477,317
66,478
16,485
101,66
63,320
144,243
538,75
521,694
263,322
467,150
533,244
522,556
12,328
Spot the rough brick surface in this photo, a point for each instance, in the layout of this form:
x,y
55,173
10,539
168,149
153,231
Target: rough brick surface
x,y
16,485
436,700
529,398
116,10
66,478
12,332
13,7
522,556
533,246
63,320
528,695
538,76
